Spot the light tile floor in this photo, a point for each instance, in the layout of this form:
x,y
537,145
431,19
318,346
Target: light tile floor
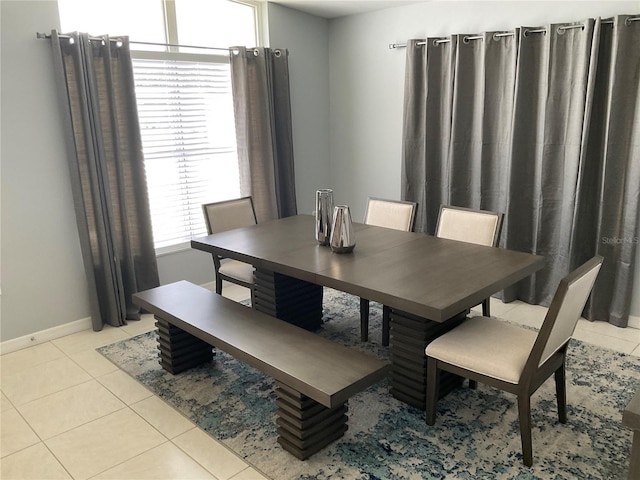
x,y
68,413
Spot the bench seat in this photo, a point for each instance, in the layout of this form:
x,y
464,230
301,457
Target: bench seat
x,y
314,376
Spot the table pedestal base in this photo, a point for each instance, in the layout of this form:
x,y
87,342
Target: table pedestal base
x,y
304,425
410,335
289,299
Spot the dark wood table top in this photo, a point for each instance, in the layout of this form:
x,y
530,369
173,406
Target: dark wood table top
x,y
423,275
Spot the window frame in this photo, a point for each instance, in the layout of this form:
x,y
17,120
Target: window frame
x,y
171,22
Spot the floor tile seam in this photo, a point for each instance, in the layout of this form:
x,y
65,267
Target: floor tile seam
x,y
13,405
87,371
183,450
237,475
598,331
38,363
75,427
130,407
126,407
57,459
616,339
130,458
39,437
50,394
166,403
44,444
101,380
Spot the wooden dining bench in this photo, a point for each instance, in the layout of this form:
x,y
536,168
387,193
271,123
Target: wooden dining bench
x,y
314,376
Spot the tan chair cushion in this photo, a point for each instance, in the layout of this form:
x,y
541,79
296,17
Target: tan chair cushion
x,y
236,269
487,346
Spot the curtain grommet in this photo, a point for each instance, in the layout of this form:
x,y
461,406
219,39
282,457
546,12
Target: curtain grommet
x,y
465,39
256,53
627,22
277,53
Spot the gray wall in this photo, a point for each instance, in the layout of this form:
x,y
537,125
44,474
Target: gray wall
x,y
306,38
346,88
43,283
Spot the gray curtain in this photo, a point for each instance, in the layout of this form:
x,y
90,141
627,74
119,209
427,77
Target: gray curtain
x,y
107,172
543,125
260,81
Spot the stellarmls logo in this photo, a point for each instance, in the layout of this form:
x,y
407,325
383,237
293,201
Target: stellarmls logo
x,y
620,240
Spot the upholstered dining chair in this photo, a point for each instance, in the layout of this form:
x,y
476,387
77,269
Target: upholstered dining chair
x,y
513,358
481,227
395,214
223,216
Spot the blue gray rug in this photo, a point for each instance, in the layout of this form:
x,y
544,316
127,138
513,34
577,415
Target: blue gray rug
x,y
476,435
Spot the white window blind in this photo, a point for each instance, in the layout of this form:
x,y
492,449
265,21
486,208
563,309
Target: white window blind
x,y
188,135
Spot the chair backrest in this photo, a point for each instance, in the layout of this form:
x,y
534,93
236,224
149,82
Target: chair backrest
x,y
229,214
565,309
396,214
481,227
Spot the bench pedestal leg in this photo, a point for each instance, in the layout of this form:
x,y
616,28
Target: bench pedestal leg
x,y
179,350
304,425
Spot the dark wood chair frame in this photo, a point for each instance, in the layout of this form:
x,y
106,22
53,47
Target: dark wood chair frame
x,y
486,310
220,277
533,375
364,303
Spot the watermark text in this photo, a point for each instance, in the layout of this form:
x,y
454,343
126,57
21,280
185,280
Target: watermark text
x,y
620,240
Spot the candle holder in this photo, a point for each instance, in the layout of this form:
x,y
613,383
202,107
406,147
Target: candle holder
x,y
324,215
343,238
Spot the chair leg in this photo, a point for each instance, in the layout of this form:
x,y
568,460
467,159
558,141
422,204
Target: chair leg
x,y
473,385
386,325
218,284
364,319
433,384
524,414
561,393
485,308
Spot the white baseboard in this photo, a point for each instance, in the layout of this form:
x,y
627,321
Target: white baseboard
x,y
634,322
45,335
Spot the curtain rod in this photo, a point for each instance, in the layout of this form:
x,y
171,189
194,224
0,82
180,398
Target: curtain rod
x,y
468,38
46,36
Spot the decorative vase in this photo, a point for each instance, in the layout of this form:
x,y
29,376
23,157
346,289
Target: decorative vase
x,y
343,238
324,215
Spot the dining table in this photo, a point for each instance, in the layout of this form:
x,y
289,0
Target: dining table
x,y
428,283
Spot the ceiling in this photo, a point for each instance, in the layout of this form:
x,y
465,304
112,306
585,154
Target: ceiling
x,y
341,8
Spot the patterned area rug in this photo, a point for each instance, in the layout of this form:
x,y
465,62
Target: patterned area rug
x,y
476,435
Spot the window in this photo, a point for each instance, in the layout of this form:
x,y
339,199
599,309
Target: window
x,y
188,136
184,99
